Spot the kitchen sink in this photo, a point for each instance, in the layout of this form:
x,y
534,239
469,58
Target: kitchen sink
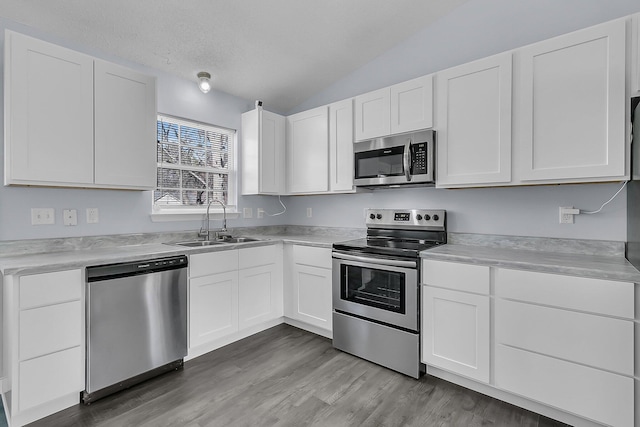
x,y
198,243
202,243
237,240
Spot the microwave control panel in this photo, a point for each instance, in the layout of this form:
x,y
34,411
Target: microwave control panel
x,y
419,158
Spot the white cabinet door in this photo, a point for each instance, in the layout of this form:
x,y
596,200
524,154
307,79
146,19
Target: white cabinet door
x,y
598,395
635,55
456,332
125,127
271,154
308,151
565,334
47,378
49,113
263,142
312,301
341,146
474,123
372,114
213,307
571,106
412,105
259,299
49,329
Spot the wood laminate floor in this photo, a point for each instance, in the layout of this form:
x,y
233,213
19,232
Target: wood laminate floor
x,y
288,377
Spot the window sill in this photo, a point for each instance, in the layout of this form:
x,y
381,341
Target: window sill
x,y
190,216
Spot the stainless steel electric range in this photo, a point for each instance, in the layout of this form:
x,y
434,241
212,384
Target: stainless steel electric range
x,y
376,292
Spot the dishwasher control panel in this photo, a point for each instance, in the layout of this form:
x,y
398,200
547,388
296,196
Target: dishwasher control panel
x,y
110,271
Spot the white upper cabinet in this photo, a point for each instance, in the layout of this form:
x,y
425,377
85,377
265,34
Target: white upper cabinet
x,y
341,146
48,113
263,146
570,101
412,105
474,123
308,151
125,127
52,97
403,107
635,55
373,110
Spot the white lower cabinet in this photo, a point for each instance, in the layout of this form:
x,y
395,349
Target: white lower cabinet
x,y
213,311
44,338
566,342
231,291
560,345
44,379
309,297
455,323
260,285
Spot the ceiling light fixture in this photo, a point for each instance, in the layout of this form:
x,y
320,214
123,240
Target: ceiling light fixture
x,y
204,84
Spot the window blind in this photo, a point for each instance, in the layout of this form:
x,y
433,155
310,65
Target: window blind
x,y
195,161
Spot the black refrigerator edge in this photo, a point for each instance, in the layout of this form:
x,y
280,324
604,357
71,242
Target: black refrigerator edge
x,y
633,190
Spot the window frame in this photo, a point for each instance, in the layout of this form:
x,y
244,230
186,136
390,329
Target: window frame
x,y
186,212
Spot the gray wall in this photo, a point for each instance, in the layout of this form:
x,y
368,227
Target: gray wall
x,y
120,211
477,29
519,211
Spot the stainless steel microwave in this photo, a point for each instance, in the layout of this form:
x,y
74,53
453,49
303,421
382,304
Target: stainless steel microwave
x,y
405,159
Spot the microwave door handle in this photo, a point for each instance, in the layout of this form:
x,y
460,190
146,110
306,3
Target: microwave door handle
x,y
406,160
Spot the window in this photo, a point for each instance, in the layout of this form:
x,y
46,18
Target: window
x,y
195,166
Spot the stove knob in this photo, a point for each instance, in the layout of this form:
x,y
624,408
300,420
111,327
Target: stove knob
x,y
427,217
379,216
372,216
436,217
419,217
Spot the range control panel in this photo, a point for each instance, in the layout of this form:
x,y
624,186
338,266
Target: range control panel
x,y
406,218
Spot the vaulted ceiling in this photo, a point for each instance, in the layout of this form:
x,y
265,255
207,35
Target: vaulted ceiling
x,y
279,51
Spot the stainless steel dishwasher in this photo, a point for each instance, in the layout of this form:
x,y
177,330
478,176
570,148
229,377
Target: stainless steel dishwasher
x,y
136,323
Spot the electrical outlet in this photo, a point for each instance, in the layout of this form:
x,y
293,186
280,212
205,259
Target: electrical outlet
x,y
70,217
309,212
247,212
567,214
42,216
92,216
260,213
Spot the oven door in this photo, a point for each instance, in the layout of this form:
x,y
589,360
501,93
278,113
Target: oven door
x,y
382,290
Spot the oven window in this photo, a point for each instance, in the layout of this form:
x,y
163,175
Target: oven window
x,y
376,288
377,163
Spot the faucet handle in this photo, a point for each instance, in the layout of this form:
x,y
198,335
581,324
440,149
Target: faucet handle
x,y
202,233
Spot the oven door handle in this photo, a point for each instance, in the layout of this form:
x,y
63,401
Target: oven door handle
x,y
389,262
406,160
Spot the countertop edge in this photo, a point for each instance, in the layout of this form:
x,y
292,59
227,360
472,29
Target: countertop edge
x,y
69,260
609,268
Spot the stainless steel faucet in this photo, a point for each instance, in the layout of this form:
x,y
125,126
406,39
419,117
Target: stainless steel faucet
x,y
207,233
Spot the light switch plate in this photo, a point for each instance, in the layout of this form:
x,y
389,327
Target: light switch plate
x,y
247,212
42,216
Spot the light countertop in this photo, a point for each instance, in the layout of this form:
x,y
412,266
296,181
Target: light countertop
x,y
64,260
595,266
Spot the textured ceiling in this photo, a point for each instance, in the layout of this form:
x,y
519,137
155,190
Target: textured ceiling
x,y
279,51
